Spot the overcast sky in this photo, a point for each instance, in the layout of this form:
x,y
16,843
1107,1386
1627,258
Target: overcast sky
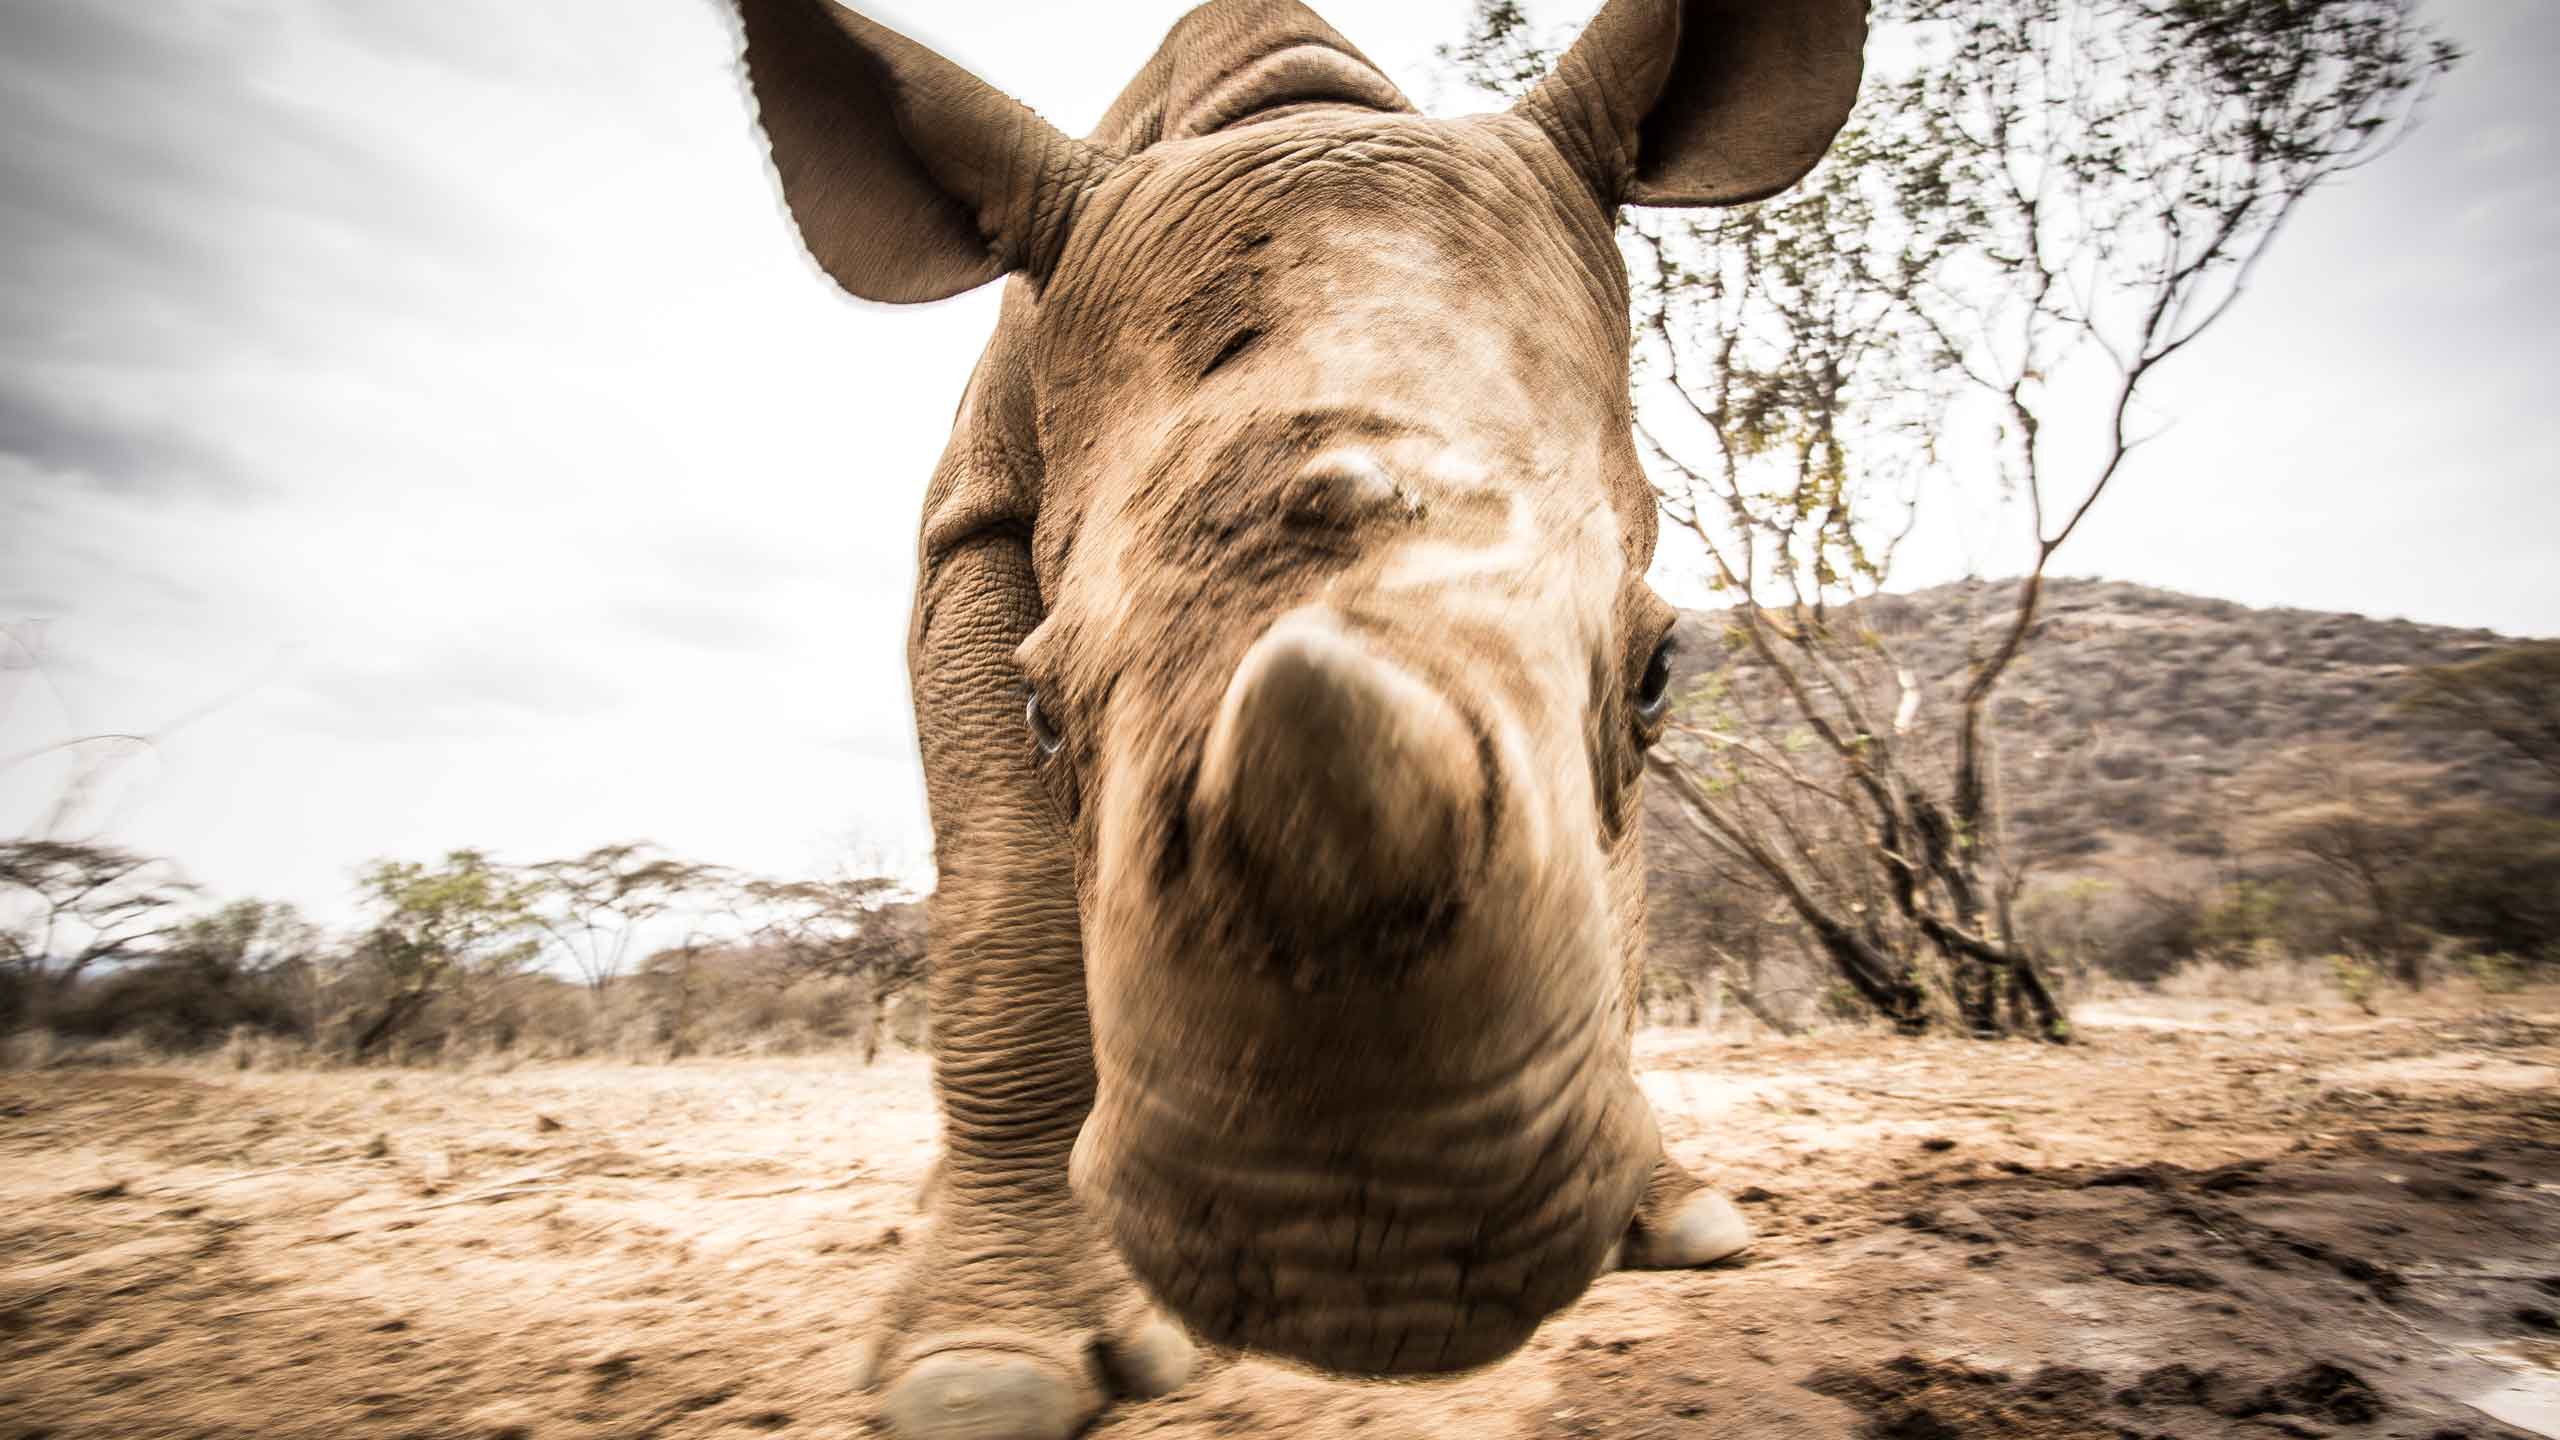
x,y
422,421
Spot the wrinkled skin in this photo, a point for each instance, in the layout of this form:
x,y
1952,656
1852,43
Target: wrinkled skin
x,y
1283,666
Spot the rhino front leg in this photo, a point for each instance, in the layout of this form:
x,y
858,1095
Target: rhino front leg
x,y
1682,1222
1014,1320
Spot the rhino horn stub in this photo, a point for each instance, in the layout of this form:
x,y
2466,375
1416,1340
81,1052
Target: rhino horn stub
x,y
1346,782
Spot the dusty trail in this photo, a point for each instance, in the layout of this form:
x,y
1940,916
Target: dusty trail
x,y
2200,1223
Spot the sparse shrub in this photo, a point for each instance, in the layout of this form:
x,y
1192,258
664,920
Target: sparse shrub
x,y
2355,979
2131,807
178,1003
2495,973
249,1049
2266,973
2240,918
2489,875
29,1049
2121,763
44,1050
2146,936
552,1019
1839,1002
910,1020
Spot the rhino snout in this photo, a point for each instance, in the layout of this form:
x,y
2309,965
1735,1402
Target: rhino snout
x,y
1339,774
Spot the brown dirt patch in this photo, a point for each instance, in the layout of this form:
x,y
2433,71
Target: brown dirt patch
x,y
2262,1222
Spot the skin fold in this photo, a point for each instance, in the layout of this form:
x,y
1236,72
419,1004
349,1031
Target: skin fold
x,y
1283,664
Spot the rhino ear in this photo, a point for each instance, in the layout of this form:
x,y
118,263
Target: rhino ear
x,y
1703,102
910,178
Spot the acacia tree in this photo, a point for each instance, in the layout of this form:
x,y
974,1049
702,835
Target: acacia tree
x,y
851,925
66,907
2036,205
2358,823
458,928
591,907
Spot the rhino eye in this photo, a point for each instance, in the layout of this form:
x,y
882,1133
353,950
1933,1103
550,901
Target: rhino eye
x,y
1653,689
1044,731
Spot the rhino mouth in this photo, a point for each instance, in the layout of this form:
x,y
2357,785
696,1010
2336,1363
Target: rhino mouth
x,y
1346,1219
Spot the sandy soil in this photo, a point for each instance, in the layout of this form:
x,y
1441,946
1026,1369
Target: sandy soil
x,y
2203,1221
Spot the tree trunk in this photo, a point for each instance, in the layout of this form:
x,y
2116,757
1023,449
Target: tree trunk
x,y
394,1013
2408,960
2408,955
2027,983
1749,999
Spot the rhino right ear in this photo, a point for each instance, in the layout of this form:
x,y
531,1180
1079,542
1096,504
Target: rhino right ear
x,y
1703,102
910,178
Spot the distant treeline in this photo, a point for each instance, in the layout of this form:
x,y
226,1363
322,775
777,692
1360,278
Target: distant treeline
x,y
623,951
2190,784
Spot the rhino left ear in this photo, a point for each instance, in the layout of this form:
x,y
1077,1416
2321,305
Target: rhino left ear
x,y
1703,102
909,177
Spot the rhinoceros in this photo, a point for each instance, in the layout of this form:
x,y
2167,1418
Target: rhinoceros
x,y
1283,665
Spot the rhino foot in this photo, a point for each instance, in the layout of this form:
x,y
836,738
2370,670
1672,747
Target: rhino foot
x,y
1680,1226
1000,1385
985,1393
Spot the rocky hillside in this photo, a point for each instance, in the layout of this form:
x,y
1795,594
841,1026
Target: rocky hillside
x,y
2132,722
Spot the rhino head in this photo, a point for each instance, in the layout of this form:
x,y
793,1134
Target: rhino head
x,y
1345,661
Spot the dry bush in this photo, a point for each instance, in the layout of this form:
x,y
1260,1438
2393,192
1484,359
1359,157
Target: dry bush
x,y
2496,974
2490,875
250,1049
2111,924
42,1049
179,1004
754,999
2268,974
29,1049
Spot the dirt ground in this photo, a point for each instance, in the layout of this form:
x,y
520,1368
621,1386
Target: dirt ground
x,y
2205,1220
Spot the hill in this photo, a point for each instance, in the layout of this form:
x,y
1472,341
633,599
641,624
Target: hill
x,y
2141,739
2133,710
